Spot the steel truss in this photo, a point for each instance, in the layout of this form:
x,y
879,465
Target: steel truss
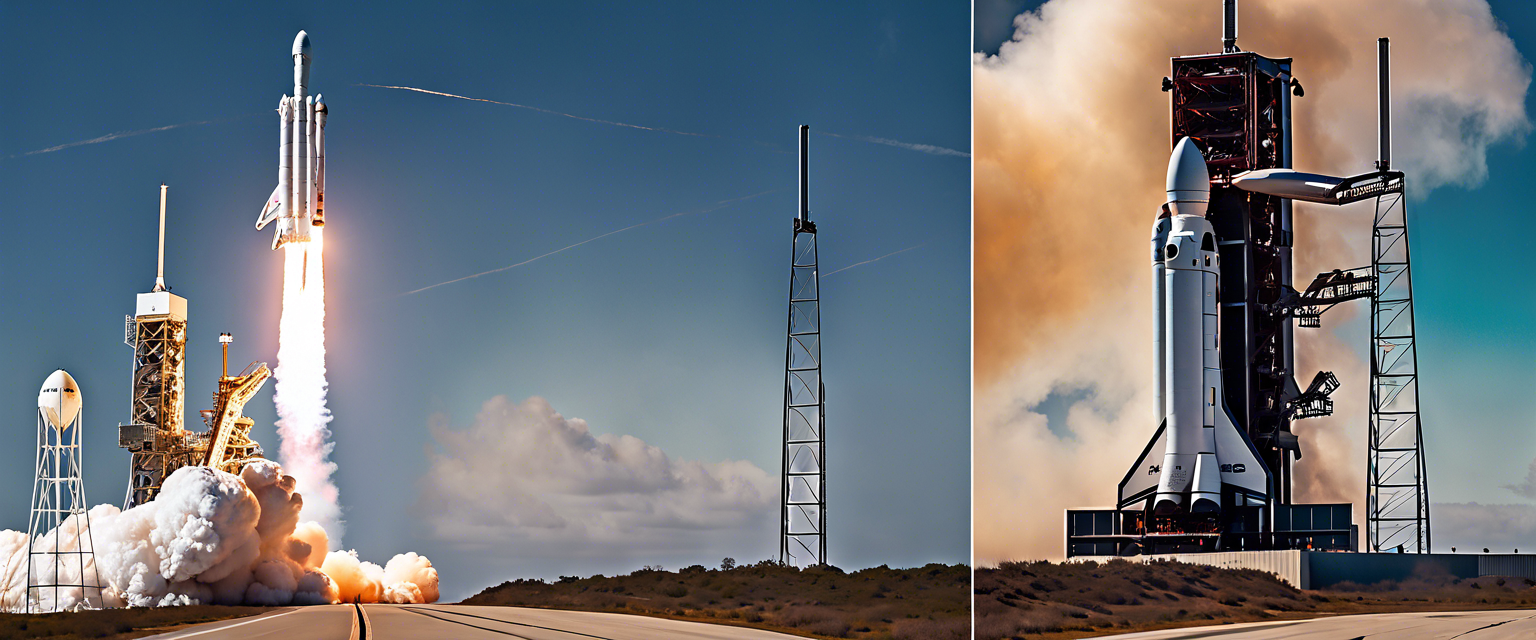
x,y
59,510
803,516
155,434
1397,489
804,521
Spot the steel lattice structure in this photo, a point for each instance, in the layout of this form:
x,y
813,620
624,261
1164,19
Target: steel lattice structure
x,y
57,567
1397,490
803,516
154,433
1396,481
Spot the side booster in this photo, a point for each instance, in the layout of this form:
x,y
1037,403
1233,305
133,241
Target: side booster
x,y
1198,451
298,202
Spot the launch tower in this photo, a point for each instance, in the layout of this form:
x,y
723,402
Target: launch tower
x,y
1235,108
803,516
154,434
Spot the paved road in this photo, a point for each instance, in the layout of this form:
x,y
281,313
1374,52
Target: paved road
x,y
1465,625
328,622
400,622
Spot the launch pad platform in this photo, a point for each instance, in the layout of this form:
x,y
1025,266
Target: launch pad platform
x,y
1324,569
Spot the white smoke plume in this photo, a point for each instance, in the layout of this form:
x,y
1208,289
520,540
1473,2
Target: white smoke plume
x,y
300,387
213,538
525,472
1071,145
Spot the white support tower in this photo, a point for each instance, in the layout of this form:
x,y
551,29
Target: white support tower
x,y
61,561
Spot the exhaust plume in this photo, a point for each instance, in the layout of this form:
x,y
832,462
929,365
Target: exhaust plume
x,y
1071,147
300,387
212,538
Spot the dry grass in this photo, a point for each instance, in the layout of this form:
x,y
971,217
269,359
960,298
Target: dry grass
x,y
930,602
1048,600
117,624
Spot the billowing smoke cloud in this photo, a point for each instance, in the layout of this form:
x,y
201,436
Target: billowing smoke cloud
x,y
524,473
1071,148
212,538
300,387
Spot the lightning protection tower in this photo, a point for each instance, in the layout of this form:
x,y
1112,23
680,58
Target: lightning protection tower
x,y
803,517
1397,486
155,434
61,561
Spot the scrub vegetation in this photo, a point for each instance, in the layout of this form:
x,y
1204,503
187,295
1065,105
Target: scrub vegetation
x,y
1077,600
930,602
116,624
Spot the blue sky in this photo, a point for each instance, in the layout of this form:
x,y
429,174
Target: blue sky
x,y
1474,305
672,333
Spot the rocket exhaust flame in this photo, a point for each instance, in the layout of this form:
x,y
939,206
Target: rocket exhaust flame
x,y
300,388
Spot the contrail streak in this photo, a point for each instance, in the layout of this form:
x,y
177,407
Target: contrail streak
x,y
559,113
119,134
923,148
857,264
717,205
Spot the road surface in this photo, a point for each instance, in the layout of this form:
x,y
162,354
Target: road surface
x,y
1465,625
399,622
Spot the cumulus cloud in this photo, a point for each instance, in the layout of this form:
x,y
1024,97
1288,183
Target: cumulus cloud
x,y
1071,146
1497,527
523,472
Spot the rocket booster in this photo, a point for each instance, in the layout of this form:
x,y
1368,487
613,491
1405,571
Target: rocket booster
x,y
1197,448
298,202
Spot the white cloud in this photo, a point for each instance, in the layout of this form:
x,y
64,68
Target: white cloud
x,y
1470,526
523,472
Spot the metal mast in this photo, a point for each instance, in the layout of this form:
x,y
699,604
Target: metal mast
x,y
803,517
1397,489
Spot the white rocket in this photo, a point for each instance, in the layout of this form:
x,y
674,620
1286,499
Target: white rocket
x,y
298,202
1197,449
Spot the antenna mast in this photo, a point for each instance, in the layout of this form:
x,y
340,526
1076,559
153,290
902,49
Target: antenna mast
x,y
160,262
1229,26
803,484
1397,484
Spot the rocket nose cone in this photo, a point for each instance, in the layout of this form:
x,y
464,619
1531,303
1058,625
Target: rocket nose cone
x,y
1188,178
1186,168
301,44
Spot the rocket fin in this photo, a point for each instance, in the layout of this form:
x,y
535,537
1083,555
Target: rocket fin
x,y
1240,463
1141,481
270,211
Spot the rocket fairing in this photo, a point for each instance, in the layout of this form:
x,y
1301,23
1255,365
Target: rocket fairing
x,y
1197,449
298,202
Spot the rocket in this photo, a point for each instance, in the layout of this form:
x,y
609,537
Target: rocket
x,y
298,202
1197,451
